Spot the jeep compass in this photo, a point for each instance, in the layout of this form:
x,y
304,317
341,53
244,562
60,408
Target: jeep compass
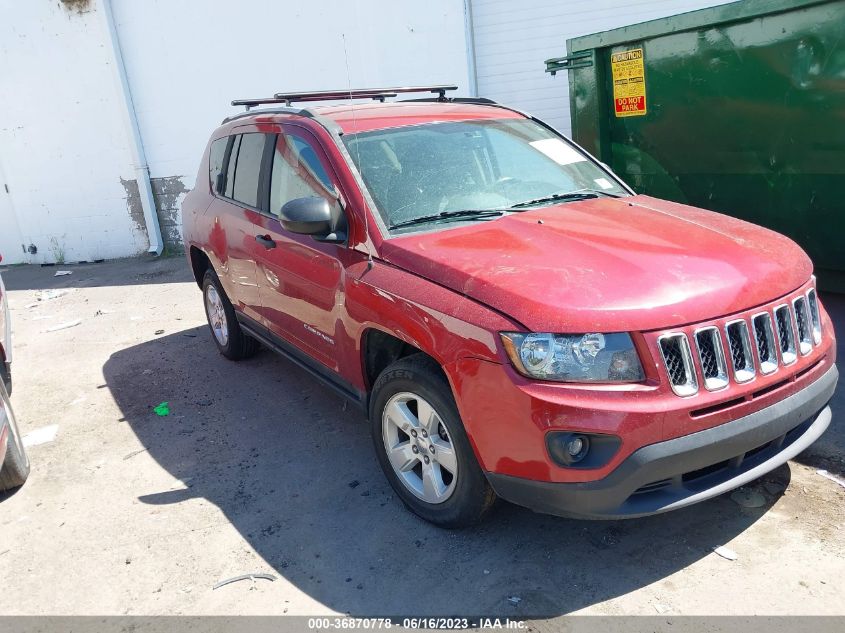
x,y
512,318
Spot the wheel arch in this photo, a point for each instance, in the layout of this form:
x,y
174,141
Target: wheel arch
x,y
395,312
381,348
200,262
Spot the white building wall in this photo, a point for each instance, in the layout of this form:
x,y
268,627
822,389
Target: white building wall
x,y
63,146
187,59
513,39
64,153
63,150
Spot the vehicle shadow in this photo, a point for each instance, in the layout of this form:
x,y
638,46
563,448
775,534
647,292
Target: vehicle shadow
x,y
117,272
294,472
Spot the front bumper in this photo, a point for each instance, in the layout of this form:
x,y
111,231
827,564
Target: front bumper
x,y
678,472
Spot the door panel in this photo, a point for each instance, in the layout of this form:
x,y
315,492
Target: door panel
x,y
238,254
235,214
301,280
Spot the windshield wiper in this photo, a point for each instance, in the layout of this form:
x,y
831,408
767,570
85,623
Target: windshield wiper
x,y
474,214
571,196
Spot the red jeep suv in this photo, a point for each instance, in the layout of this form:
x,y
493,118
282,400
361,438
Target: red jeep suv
x,y
514,320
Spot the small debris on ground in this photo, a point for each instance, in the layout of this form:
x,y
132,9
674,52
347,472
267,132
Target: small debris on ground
x,y
832,477
661,608
159,332
40,436
514,600
726,552
354,483
748,498
133,453
252,577
162,409
47,295
65,325
62,273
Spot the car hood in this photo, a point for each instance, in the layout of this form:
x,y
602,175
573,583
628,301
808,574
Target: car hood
x,y
608,264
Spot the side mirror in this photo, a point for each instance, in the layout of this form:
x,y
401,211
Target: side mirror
x,y
312,216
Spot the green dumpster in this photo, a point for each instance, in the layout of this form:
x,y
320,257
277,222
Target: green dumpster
x,y
738,108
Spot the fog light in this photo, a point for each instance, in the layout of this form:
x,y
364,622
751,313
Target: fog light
x,y
580,450
574,447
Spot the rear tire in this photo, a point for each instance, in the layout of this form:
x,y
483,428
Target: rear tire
x,y
426,456
231,340
15,467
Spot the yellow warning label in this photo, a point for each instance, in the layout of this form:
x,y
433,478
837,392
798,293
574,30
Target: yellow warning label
x,y
628,72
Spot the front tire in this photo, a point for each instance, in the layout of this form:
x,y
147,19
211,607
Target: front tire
x,y
15,467
422,446
231,340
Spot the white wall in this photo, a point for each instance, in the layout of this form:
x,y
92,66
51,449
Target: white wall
x,y
513,39
187,59
62,143
62,146
64,151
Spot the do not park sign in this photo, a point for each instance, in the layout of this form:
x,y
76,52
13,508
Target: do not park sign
x,y
628,71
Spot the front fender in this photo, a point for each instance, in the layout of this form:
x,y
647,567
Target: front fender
x,y
442,323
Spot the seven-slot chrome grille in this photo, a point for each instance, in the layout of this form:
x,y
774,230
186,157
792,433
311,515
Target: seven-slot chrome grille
x,y
744,347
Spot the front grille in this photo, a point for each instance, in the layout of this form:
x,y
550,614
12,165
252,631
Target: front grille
x,y
743,363
712,358
765,339
678,362
786,337
813,302
802,318
760,343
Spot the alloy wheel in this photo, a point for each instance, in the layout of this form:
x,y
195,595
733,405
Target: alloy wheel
x,y
216,315
419,447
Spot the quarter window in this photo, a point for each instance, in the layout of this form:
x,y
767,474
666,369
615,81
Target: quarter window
x,y
215,162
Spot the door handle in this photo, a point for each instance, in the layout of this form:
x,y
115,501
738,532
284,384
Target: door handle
x,y
265,241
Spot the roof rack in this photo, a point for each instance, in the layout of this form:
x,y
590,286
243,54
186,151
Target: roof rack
x,y
335,95
478,100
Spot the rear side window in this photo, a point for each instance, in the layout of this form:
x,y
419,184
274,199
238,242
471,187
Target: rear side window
x,y
248,168
215,163
230,171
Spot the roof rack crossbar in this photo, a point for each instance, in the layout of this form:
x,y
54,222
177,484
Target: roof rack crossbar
x,y
337,95
251,103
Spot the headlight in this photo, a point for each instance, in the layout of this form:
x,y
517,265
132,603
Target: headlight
x,y
590,357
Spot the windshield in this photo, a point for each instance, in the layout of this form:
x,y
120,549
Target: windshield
x,y
422,174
